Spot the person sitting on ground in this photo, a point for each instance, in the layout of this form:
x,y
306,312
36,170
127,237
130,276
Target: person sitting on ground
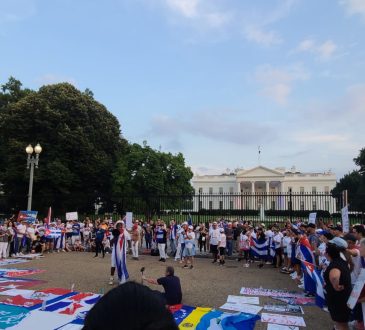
x,y
130,306
171,285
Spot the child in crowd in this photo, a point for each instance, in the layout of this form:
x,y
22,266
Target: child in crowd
x,y
244,245
222,246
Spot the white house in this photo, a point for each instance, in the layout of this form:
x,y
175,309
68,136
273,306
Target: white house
x,y
269,187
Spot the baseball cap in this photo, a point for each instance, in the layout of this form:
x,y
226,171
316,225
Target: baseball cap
x,y
221,230
339,242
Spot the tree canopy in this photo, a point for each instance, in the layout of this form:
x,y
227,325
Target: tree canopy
x,y
354,183
80,140
84,157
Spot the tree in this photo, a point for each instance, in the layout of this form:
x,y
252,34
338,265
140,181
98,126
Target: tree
x,y
81,141
354,183
143,174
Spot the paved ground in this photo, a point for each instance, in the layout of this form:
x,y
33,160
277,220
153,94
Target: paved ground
x,y
205,285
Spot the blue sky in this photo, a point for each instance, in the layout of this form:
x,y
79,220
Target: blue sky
x,y
213,79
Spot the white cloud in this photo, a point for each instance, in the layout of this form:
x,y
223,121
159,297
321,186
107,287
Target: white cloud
x,y
354,7
262,37
187,8
49,79
324,50
277,83
314,137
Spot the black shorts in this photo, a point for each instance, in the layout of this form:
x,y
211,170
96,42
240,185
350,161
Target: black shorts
x,y
339,311
214,248
222,251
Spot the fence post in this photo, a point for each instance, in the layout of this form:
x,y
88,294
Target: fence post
x,y
290,206
199,207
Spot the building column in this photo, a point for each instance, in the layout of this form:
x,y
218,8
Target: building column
x,y
253,200
267,187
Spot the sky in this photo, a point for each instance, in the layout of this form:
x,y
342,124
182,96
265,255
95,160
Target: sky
x,y
213,79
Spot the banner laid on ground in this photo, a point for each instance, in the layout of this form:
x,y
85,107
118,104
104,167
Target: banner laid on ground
x,y
243,300
303,301
295,309
15,272
244,308
269,292
6,262
283,319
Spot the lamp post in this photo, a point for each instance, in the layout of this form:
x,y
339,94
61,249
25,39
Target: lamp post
x,y
31,162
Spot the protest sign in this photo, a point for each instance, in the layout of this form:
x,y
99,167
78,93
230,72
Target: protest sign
x,y
243,308
71,216
356,291
129,220
269,292
345,219
312,217
284,308
29,216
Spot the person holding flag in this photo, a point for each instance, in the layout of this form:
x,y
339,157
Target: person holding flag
x,y
119,242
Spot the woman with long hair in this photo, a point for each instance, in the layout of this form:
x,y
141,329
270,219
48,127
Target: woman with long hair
x,y
337,287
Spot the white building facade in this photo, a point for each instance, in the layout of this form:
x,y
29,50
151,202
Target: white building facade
x,y
268,187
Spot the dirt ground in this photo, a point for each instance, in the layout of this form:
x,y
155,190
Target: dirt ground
x,y
206,285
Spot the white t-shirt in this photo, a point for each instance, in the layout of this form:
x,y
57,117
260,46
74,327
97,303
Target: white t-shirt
x,y
21,230
277,240
31,232
244,242
69,227
286,243
215,236
223,240
189,243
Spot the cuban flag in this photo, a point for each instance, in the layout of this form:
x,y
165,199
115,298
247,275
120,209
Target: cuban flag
x,y
316,276
259,247
121,258
306,255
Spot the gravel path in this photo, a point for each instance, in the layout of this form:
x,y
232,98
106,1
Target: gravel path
x,y
205,285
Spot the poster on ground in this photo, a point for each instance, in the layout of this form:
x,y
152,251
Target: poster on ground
x,y
129,220
345,219
72,216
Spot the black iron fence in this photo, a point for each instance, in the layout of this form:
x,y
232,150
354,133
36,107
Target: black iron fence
x,y
257,207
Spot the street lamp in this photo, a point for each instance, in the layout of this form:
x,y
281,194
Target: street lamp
x,y
31,162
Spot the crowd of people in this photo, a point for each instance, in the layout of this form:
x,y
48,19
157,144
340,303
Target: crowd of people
x,y
337,256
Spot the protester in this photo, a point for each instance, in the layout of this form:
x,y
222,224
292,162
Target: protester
x,y
229,232
148,236
20,230
189,250
130,306
202,241
99,238
337,279
222,245
4,239
161,238
214,238
172,237
171,285
244,247
119,242
135,240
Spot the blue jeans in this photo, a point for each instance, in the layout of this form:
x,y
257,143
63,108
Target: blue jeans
x,y
173,246
229,247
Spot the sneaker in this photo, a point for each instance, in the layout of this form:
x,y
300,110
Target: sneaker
x,y
185,266
301,286
214,261
111,281
191,267
163,260
268,263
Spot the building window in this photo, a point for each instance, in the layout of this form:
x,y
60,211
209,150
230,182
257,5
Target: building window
x,y
200,190
314,190
231,205
302,190
210,190
327,190
221,205
220,190
210,205
231,190
273,205
314,205
302,205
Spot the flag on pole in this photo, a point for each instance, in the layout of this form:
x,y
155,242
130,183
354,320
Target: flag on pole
x,y
47,220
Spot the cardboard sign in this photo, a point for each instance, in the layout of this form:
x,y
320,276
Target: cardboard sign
x,y
283,319
29,216
312,217
72,216
243,308
356,291
345,219
129,220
